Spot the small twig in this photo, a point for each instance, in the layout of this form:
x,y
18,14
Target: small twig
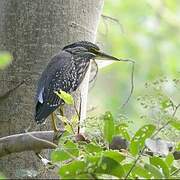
x,y
135,162
132,79
132,86
175,172
113,20
176,108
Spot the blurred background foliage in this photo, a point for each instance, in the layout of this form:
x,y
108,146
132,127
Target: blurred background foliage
x,y
146,31
5,59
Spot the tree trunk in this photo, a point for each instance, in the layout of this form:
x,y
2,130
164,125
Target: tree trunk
x,y
33,31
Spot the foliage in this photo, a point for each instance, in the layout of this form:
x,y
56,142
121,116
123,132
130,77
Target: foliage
x,y
5,59
146,31
92,156
67,98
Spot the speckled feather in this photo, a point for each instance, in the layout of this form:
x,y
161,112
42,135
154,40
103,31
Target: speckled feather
x,y
65,71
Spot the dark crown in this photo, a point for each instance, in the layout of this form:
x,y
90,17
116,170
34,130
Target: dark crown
x,y
84,44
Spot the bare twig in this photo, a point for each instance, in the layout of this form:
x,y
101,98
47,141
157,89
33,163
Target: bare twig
x,y
132,86
132,79
105,17
175,172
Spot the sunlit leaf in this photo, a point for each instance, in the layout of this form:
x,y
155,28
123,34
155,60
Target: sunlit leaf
x,y
111,167
67,98
109,128
72,169
178,146
93,160
169,159
92,148
74,120
165,103
114,154
175,124
139,138
137,171
121,129
155,172
5,59
68,128
159,163
69,150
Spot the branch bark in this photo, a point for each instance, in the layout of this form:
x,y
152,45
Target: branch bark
x,y
31,141
39,140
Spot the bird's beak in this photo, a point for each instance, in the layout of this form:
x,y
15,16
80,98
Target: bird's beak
x,y
103,56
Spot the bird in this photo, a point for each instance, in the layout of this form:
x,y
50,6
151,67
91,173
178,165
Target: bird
x,y
65,71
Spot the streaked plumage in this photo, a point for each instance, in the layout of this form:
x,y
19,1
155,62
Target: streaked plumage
x,y
65,72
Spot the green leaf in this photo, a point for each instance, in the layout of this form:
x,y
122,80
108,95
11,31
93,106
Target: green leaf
x,y
121,129
5,59
68,128
165,103
109,128
67,98
159,163
115,155
141,172
92,160
72,170
137,171
169,159
93,148
175,124
68,151
178,146
139,138
74,120
154,171
110,166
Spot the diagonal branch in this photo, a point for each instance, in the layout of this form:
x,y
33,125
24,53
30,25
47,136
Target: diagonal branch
x,y
31,141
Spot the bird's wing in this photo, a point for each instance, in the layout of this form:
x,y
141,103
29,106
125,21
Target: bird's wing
x,y
67,75
62,73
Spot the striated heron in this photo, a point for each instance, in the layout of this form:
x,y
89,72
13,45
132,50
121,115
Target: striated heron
x,y
64,72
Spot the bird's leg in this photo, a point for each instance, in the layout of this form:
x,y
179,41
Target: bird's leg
x,y
61,110
57,132
54,126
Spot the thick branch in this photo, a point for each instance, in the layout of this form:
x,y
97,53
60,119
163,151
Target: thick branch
x,y
31,141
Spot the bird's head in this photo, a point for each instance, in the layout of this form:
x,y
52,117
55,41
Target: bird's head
x,y
82,47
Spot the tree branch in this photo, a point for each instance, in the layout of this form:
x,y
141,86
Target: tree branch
x,y
30,141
